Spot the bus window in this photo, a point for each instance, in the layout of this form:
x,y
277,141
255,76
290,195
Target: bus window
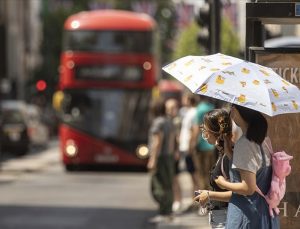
x,y
108,41
108,114
114,72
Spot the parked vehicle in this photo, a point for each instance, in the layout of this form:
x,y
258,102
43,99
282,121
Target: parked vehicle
x,y
37,130
13,127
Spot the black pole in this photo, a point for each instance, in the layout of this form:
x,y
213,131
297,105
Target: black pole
x,y
254,35
215,15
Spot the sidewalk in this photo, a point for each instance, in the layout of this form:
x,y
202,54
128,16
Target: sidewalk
x,y
186,219
12,169
33,162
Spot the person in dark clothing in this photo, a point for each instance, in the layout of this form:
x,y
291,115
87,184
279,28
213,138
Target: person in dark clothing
x,y
217,125
250,167
161,161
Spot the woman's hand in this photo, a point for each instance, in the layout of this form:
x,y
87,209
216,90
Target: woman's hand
x,y
202,198
220,181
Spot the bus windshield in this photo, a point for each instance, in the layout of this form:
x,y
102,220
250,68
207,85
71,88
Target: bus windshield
x,y
108,114
108,41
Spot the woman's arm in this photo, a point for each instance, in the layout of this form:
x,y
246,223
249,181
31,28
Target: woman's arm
x,y
205,195
246,187
155,150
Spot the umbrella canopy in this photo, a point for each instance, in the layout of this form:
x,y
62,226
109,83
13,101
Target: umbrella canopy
x,y
237,81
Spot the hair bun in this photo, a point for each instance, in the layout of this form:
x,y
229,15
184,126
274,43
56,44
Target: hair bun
x,y
224,126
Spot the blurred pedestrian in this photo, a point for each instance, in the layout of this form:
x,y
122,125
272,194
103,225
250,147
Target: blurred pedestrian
x,y
190,102
161,161
204,156
172,111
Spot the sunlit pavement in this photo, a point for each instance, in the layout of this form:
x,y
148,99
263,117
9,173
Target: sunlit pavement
x,y
15,167
12,168
186,219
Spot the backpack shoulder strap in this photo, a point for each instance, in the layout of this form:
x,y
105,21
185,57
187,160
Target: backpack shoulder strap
x,y
257,189
222,168
269,144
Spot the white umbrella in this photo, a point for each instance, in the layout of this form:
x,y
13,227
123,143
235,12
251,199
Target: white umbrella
x,y
237,81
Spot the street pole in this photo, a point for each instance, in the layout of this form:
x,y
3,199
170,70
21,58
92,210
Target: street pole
x,y
216,26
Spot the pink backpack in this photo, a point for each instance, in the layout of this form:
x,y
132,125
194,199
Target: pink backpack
x,y
281,169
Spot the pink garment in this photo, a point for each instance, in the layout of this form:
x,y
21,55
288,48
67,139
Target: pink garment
x,y
281,169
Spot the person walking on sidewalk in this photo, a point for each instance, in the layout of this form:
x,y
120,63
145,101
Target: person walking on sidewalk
x,y
172,111
185,139
161,160
250,167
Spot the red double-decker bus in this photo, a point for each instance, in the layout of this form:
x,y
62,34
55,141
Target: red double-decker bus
x,y
109,66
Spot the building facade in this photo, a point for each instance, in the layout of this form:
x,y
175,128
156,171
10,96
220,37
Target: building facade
x,y
20,38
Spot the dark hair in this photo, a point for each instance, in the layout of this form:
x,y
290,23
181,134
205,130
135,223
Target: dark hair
x,y
257,124
158,108
218,121
192,99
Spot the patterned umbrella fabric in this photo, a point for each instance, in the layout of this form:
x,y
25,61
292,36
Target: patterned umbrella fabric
x,y
237,81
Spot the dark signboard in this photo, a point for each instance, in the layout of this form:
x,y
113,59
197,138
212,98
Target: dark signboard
x,y
284,130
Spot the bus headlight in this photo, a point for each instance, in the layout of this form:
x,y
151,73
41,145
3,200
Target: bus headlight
x,y
142,151
71,148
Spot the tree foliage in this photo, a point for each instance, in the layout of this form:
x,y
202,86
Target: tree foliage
x,y
186,42
229,39
165,17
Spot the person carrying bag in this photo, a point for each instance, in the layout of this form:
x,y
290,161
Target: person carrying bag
x,y
218,213
217,125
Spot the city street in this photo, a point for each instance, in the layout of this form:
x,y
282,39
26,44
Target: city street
x,y
95,78
36,192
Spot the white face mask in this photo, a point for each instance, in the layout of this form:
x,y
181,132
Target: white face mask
x,y
204,135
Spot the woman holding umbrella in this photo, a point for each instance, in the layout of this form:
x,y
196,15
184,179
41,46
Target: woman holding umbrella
x,y
250,166
260,89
